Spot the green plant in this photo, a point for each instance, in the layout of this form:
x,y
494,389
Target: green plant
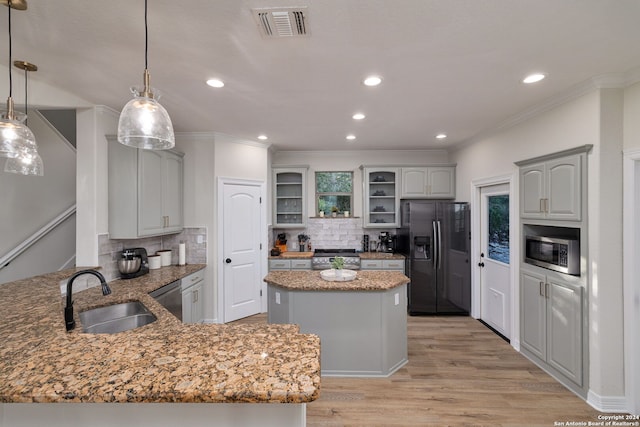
x,y
335,209
337,263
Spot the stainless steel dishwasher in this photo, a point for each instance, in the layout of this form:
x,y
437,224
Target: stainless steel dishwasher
x,y
170,296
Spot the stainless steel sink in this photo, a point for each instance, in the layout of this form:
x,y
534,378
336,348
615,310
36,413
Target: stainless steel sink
x,y
116,318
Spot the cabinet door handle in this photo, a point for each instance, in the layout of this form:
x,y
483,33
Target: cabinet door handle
x,y
541,288
546,205
541,207
546,290
195,296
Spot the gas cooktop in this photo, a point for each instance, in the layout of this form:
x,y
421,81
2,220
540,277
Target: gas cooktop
x,y
335,252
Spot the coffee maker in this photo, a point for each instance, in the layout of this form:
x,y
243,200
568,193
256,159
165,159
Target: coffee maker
x,y
387,242
133,263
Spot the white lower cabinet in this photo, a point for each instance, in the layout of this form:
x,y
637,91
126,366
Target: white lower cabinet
x,y
382,264
192,297
552,322
289,264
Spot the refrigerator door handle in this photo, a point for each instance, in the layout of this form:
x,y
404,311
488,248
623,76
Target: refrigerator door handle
x,y
436,254
439,247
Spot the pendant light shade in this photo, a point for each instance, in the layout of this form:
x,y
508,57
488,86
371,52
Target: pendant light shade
x,y
16,139
144,123
27,164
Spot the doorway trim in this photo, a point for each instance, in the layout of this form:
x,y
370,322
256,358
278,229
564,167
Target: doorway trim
x,y
514,252
217,262
631,276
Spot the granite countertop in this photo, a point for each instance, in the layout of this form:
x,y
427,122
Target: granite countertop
x,y
366,280
165,361
380,255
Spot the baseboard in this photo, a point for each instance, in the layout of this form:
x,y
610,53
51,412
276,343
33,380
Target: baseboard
x,y
607,403
71,262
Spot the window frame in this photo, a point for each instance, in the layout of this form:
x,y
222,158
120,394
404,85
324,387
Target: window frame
x,y
319,194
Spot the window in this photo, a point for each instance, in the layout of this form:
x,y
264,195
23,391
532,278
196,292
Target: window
x,y
334,189
499,228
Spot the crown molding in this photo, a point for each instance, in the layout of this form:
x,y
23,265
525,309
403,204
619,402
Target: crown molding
x,y
603,81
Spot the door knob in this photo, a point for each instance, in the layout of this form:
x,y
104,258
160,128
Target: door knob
x,y
228,260
481,264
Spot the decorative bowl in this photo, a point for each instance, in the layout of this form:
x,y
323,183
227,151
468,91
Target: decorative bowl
x,y
338,275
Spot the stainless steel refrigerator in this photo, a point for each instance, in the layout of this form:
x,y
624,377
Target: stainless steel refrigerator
x,y
435,238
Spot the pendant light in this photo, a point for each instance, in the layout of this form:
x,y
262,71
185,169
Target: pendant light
x,y
15,138
144,123
27,163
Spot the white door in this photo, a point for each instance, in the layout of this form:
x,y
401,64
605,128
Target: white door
x,y
241,265
495,295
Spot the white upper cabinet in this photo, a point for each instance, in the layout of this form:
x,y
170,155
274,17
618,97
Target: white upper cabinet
x,y
160,204
552,189
289,197
381,197
431,182
145,192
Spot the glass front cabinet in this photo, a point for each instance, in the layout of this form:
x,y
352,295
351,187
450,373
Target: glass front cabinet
x,y
289,197
381,197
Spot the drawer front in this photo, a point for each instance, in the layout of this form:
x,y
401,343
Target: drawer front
x,y
301,264
279,264
370,264
192,279
393,264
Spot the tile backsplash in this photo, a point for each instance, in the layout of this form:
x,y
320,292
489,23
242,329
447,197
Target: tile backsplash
x,y
329,233
195,239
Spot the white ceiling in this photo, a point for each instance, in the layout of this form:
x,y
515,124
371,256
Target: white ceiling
x,y
449,66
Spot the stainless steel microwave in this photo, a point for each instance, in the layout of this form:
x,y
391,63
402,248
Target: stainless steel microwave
x,y
558,254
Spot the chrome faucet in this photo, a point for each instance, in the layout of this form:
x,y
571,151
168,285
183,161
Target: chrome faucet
x,y
68,310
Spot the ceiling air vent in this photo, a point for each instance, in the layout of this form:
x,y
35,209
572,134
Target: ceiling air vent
x,y
282,21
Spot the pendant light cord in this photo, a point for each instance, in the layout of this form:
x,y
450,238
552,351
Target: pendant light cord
x,y
26,95
146,36
10,77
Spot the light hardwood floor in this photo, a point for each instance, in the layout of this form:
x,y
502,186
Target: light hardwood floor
x,y
459,373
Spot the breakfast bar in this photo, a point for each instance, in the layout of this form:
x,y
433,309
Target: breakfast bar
x,y
165,373
362,323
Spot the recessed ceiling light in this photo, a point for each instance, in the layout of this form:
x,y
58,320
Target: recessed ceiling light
x,y
534,78
351,137
372,81
441,136
263,137
358,116
215,83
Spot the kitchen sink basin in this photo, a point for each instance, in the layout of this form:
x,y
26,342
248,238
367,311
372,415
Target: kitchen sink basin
x,y
116,318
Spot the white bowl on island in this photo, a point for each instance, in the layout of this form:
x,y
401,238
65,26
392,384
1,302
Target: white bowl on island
x,y
334,275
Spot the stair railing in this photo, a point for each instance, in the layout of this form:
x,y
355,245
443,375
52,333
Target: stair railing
x,y
35,237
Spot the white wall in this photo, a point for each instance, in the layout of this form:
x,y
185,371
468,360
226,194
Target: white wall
x,y
31,202
324,161
92,195
632,117
207,157
594,118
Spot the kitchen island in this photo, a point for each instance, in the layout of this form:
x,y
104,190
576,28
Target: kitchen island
x,y
362,323
165,373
